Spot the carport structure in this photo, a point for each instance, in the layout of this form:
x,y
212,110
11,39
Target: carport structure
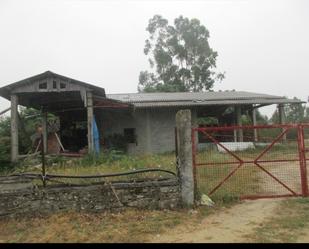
x,y
67,98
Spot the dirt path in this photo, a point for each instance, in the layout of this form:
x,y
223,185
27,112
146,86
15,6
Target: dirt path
x,y
226,226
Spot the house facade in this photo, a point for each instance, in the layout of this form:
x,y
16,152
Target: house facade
x,y
146,120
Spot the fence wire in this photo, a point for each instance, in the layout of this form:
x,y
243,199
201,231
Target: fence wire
x,y
248,161
140,175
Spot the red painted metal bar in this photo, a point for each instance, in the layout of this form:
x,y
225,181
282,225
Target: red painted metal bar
x,y
275,178
301,157
302,161
194,161
226,178
227,128
271,145
265,161
222,146
255,197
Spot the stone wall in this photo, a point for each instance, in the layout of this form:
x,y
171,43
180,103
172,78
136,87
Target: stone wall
x,y
163,194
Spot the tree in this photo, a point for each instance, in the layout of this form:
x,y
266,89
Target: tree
x,y
29,120
180,57
295,113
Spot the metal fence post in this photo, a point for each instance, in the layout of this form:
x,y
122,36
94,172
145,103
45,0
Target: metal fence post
x,y
302,160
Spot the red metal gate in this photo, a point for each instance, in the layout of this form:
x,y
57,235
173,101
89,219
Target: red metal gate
x,y
250,162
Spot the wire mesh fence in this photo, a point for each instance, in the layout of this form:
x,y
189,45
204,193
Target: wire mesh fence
x,y
248,161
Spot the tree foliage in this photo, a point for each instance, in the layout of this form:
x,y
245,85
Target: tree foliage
x,y
180,57
294,113
29,120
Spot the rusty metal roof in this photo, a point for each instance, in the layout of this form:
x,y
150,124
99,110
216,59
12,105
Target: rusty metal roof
x,y
143,100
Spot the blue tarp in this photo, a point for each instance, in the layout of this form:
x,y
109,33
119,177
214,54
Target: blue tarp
x,y
96,137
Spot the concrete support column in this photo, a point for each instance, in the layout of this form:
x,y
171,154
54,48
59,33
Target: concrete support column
x,y
44,131
194,125
148,132
90,122
281,118
240,136
255,135
183,125
14,129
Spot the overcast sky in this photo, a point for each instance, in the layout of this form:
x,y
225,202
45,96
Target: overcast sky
x,y
263,46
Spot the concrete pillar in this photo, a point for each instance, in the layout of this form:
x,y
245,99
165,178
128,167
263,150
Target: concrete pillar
x,y
282,118
14,128
240,136
194,125
255,135
183,125
44,131
90,122
148,132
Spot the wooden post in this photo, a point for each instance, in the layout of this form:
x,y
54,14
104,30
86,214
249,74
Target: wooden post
x,y
282,118
240,137
43,161
14,128
183,124
44,132
90,122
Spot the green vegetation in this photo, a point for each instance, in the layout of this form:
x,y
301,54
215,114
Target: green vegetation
x,y
30,119
105,163
180,57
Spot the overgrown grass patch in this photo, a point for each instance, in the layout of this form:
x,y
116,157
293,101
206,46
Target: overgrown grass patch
x,y
290,218
130,225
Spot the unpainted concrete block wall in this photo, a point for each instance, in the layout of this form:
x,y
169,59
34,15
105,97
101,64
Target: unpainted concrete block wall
x,y
155,128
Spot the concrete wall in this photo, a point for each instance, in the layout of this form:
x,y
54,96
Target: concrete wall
x,y
25,199
155,128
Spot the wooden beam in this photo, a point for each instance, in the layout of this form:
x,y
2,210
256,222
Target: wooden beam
x,y
4,111
261,105
14,129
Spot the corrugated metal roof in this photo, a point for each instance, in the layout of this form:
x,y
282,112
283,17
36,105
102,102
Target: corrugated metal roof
x,y
198,98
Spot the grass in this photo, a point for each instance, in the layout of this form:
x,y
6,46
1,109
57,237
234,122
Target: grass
x,y
245,181
288,224
129,226
105,163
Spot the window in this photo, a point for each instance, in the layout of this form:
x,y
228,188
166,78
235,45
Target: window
x,y
129,134
54,84
43,85
62,85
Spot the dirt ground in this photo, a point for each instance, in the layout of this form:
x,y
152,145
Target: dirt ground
x,y
226,226
237,223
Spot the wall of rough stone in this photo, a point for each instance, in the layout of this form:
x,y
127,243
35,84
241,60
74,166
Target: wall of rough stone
x,y
163,194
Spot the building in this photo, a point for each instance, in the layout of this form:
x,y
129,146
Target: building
x,y
147,120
